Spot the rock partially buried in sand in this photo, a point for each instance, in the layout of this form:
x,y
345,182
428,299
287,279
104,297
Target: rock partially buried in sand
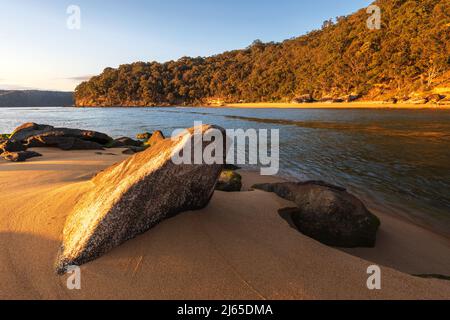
x,y
328,214
134,196
11,146
27,131
20,156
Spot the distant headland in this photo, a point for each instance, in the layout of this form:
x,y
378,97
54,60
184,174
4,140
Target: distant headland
x,y
35,98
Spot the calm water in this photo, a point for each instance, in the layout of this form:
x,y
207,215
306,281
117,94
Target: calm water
x,y
396,160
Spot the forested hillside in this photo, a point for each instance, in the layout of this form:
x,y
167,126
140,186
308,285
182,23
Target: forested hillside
x,y
34,98
407,55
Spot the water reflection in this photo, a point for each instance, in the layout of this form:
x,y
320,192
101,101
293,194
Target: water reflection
x,y
399,160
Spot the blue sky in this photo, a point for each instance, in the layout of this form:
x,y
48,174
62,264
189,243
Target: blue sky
x,y
39,51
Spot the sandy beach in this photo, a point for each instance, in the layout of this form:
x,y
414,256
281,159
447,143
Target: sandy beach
x,y
343,105
236,248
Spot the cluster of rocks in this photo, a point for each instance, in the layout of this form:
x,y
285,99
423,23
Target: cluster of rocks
x,y
308,98
14,151
31,135
437,99
327,213
137,194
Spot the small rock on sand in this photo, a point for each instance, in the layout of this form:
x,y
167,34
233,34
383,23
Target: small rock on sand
x,y
19,156
229,181
124,142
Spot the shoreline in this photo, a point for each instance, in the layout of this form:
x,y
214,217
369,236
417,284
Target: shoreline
x,y
372,204
287,105
238,247
341,105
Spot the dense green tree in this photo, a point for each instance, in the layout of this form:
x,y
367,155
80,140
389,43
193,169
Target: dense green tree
x,y
411,50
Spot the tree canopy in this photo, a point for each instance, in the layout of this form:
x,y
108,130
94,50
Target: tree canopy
x,y
345,57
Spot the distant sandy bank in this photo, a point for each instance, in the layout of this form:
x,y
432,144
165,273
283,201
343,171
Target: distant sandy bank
x,y
236,248
344,105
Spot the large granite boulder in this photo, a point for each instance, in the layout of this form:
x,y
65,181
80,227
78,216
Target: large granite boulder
x,y
328,213
11,146
19,156
135,195
29,130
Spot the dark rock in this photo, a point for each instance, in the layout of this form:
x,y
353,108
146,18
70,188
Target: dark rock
x,y
391,101
124,142
288,190
29,130
445,101
157,136
352,98
435,98
11,146
229,181
19,156
134,196
306,98
326,99
417,100
4,137
328,214
144,136
50,140
133,150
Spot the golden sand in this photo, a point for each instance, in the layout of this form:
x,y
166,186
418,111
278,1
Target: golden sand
x,y
236,248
